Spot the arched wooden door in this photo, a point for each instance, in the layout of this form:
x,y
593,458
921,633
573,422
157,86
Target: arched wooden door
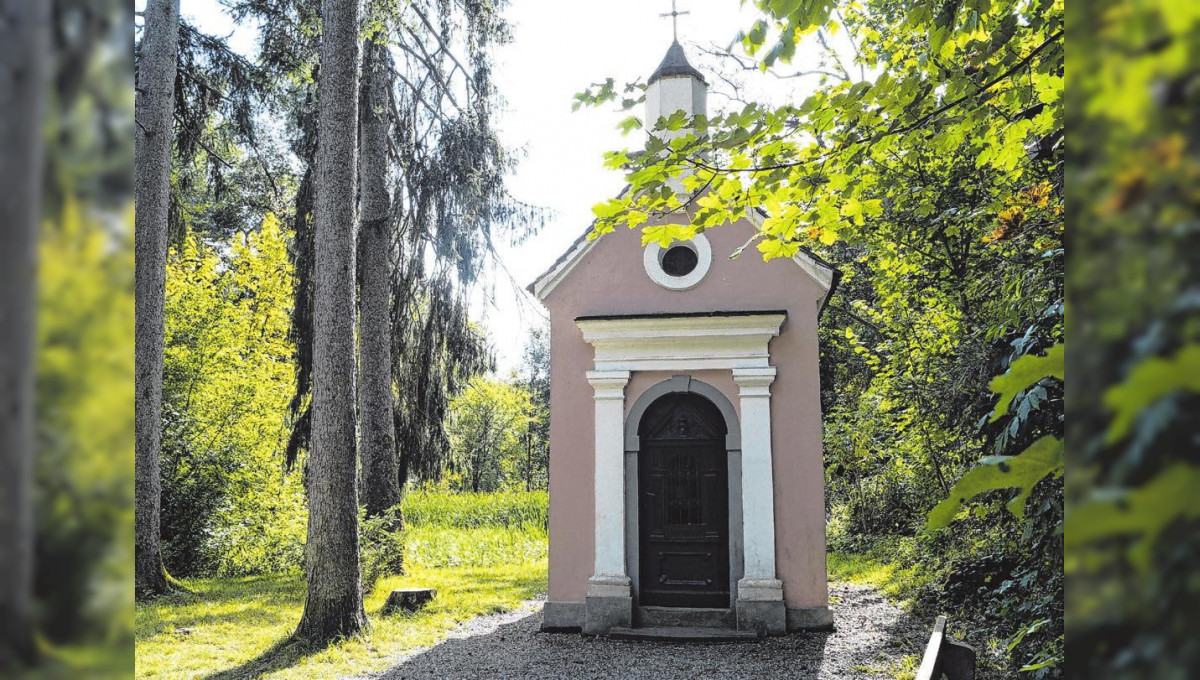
x,y
683,504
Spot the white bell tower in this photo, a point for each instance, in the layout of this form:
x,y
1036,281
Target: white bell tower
x,y
674,86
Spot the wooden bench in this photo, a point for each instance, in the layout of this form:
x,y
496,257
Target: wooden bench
x,y
945,656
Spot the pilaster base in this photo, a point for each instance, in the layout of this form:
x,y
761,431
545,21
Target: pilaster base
x,y
602,614
609,604
760,606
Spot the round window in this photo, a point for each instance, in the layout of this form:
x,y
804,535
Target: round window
x,y
679,260
679,266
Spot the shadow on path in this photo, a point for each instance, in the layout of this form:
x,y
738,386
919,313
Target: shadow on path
x,y
871,636
516,649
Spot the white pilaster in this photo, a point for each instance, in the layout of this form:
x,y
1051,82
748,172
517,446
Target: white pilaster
x,y
758,487
610,578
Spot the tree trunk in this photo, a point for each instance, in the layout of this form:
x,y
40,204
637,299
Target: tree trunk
x,y
528,460
22,55
381,486
154,112
334,605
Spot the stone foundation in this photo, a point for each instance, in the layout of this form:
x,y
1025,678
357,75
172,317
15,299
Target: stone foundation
x,y
809,618
562,617
764,616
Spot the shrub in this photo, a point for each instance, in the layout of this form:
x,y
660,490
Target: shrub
x,y
381,547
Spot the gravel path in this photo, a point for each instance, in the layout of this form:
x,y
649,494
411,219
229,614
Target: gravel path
x,y
870,637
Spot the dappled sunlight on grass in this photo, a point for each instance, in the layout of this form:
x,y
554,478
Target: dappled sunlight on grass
x,y
230,622
484,554
862,569
898,583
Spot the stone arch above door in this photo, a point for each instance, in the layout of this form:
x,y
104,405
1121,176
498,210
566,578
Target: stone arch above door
x,y
683,383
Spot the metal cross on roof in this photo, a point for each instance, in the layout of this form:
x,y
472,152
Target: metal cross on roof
x,y
674,14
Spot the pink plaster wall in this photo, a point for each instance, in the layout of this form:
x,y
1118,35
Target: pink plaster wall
x,y
611,280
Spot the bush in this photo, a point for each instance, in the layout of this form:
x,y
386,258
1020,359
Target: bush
x,y
381,547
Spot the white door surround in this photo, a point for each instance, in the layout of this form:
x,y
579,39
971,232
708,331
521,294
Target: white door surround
x,y
734,341
633,444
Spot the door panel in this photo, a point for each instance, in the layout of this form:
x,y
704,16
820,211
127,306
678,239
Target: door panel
x,y
683,508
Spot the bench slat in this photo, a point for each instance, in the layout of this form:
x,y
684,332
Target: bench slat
x,y
931,663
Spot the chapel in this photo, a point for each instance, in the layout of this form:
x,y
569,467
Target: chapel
x,y
686,475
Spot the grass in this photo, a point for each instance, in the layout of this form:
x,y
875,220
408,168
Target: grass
x,y
900,584
858,568
904,668
510,509
234,627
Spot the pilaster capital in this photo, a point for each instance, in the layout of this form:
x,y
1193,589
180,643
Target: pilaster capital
x,y
608,384
754,382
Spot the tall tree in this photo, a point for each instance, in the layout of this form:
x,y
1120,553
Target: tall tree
x,y
22,54
334,606
153,113
449,202
380,478
535,378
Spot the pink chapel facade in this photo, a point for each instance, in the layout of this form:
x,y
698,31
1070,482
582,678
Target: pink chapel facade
x,y
686,470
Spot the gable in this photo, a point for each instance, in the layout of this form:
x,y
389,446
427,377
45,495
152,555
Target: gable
x,y
585,253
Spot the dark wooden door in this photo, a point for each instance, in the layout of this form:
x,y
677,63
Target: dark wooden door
x,y
683,504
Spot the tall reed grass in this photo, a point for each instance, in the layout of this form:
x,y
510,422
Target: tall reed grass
x,y
473,510
475,530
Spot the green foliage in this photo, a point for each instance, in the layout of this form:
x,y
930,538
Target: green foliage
x,y
1149,383
381,546
469,529
227,506
1132,520
485,546
534,376
84,426
1142,513
488,424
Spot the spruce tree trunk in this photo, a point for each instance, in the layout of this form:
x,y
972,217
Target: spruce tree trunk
x,y
22,54
334,605
381,487
154,112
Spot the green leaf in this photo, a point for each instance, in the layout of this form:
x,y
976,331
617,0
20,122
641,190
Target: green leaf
x,y
758,33
773,248
609,208
1150,381
1023,471
1024,372
1143,512
666,234
629,124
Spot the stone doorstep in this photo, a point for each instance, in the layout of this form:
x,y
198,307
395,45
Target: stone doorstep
x,y
682,617
674,634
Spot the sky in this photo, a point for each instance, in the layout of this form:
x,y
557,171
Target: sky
x,y
559,48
